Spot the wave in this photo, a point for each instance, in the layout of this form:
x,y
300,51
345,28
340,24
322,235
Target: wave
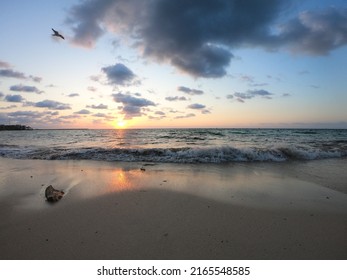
x,y
174,155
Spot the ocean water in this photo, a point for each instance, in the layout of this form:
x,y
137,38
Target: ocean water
x,y
175,145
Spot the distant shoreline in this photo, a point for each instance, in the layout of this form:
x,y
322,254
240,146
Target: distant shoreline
x,y
15,127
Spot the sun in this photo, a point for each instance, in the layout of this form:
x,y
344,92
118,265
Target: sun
x,y
121,124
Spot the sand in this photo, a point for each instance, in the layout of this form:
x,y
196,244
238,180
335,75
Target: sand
x,y
292,210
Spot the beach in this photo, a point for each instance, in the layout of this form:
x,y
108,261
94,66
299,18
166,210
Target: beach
x,y
133,210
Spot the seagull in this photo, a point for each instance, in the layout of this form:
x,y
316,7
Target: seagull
x,y
56,33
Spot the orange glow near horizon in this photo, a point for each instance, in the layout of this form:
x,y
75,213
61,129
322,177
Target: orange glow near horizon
x,y
121,124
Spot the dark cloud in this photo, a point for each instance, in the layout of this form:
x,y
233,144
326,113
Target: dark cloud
x,y
190,91
100,106
31,114
159,115
131,111
89,19
130,100
52,105
242,96
176,98
35,79
119,74
9,73
209,61
83,112
132,106
196,106
14,98
23,88
73,95
194,36
314,32
197,36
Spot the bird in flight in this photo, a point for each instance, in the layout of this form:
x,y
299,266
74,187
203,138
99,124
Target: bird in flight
x,y
56,33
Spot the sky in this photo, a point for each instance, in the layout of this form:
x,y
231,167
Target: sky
x,y
174,64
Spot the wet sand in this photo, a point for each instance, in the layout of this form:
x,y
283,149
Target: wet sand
x,y
293,210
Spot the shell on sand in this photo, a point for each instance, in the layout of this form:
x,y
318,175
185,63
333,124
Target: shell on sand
x,y
53,195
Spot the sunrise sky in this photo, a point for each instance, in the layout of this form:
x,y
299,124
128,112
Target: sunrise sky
x,y
182,63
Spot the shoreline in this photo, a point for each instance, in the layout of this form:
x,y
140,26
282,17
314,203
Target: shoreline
x,y
173,211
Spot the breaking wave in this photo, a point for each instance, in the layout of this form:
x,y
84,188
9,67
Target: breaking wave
x,y
223,154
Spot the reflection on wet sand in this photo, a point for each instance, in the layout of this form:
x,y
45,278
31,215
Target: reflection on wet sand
x,y
121,180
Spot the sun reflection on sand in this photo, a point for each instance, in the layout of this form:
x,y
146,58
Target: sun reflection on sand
x,y
124,180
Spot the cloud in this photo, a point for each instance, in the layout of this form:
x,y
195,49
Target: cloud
x,y
8,72
209,61
31,114
93,89
45,119
83,112
4,64
101,115
185,116
14,98
35,78
205,111
100,106
242,96
23,88
160,113
194,36
130,100
25,117
132,106
251,81
197,36
314,32
119,74
176,98
52,105
196,106
190,91
73,95
247,78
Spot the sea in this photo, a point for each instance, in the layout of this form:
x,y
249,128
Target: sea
x,y
175,145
